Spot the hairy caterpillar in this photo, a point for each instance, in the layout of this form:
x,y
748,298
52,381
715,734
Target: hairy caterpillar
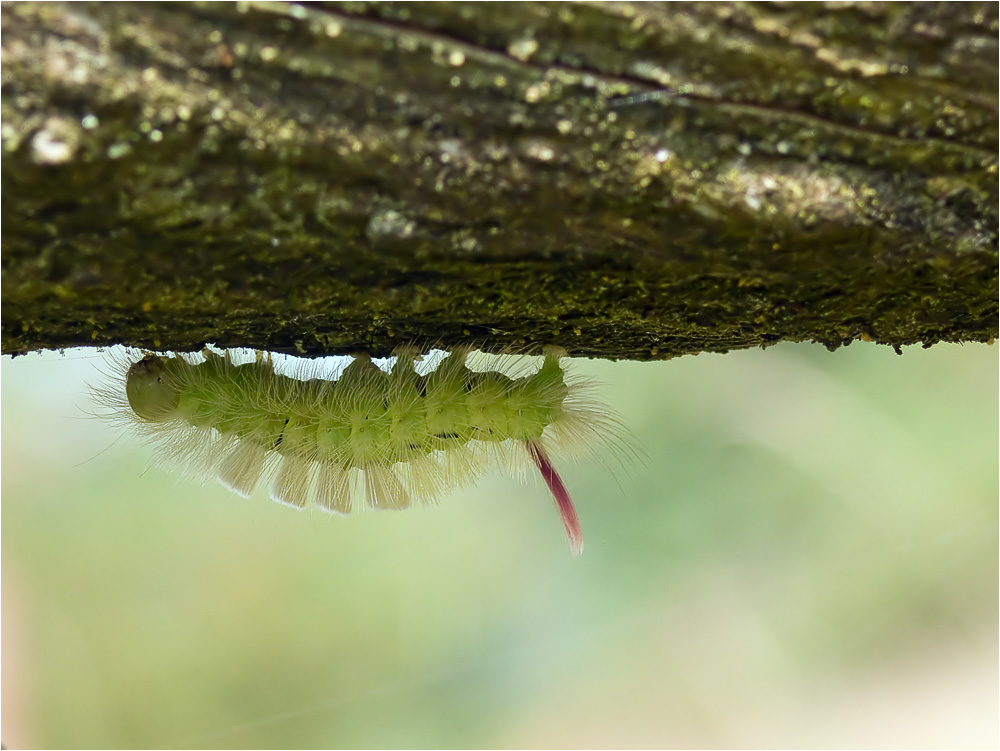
x,y
387,436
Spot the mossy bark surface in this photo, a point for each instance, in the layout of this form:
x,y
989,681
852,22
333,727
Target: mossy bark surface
x,y
628,181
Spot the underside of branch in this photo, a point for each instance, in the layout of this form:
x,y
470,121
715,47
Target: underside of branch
x,y
627,181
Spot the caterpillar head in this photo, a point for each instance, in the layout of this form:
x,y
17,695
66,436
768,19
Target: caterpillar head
x,y
151,391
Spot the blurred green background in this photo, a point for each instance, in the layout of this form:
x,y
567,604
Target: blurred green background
x,y
808,558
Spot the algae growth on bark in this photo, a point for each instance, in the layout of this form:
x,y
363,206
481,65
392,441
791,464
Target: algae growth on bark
x,y
626,181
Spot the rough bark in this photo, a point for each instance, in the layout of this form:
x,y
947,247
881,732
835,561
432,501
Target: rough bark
x,y
629,181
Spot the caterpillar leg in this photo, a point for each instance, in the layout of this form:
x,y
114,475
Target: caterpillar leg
x,y
408,352
571,523
362,363
554,351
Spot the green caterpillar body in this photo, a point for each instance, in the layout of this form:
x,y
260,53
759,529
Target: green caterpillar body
x,y
403,435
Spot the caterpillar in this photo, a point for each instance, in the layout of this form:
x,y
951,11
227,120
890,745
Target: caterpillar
x,y
382,436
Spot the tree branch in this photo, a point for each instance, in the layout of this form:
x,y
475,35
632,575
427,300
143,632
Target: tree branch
x,y
626,181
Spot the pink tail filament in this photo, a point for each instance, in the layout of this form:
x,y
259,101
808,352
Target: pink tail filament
x,y
563,502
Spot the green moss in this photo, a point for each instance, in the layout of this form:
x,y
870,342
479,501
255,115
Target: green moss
x,y
623,182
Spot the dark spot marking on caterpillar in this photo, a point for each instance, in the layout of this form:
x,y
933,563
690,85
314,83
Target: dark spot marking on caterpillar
x,y
446,435
281,434
422,388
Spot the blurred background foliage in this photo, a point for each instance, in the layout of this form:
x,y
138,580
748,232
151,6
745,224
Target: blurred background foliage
x,y
807,557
